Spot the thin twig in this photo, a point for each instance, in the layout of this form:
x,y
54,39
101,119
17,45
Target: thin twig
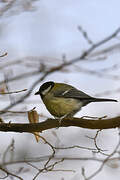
x,y
9,173
3,55
13,92
75,146
85,35
103,163
57,68
11,146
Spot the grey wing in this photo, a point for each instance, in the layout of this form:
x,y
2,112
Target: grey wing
x,y
73,93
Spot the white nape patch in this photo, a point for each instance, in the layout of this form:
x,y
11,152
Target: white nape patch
x,y
46,90
65,92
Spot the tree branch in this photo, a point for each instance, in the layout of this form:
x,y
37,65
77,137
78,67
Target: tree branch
x,y
66,122
83,56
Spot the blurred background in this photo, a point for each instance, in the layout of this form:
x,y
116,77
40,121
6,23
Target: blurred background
x,y
37,36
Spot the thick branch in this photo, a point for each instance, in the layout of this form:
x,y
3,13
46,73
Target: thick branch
x,y
53,123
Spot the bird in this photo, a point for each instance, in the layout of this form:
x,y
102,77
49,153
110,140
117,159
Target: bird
x,y
63,100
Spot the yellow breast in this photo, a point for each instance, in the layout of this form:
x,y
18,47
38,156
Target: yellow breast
x,y
59,106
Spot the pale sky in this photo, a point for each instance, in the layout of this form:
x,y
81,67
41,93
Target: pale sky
x,y
51,31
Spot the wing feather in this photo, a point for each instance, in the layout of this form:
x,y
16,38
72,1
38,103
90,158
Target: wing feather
x,y
72,93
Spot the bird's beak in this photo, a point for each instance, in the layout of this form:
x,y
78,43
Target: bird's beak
x,y
37,93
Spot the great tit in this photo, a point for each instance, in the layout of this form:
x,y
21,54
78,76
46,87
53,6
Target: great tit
x,y
63,100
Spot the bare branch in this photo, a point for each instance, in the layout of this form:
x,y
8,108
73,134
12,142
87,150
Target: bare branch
x,y
58,68
9,173
66,122
99,150
13,92
85,35
3,55
10,147
24,75
104,162
98,74
108,92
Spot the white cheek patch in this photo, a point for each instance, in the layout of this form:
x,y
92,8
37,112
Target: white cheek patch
x,y
46,91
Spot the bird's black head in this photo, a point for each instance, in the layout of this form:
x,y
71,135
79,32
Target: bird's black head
x,y
45,88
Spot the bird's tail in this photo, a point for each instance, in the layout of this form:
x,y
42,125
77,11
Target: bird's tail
x,y
102,100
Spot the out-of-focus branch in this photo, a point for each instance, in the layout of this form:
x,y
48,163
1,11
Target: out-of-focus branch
x,y
3,55
108,92
108,50
70,62
85,35
56,157
66,122
24,75
18,6
13,92
98,73
8,6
